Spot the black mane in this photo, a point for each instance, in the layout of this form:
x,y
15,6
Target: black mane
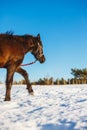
x,y
9,33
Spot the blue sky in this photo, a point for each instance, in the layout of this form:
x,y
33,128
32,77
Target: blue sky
x,y
62,25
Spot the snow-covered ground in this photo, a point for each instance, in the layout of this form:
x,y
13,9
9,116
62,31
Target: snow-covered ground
x,y
51,108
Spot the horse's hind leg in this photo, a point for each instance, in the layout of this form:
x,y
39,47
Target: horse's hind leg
x,y
25,75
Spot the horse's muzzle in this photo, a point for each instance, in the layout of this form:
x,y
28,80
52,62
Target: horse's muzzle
x,y
42,59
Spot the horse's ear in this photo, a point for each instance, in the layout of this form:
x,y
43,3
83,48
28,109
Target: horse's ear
x,y
38,36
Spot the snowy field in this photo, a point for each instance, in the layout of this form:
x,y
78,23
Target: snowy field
x,y
51,108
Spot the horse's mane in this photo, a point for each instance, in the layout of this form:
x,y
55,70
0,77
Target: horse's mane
x,y
9,33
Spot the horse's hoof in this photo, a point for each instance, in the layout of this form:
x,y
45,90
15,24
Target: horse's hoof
x,y
7,99
32,93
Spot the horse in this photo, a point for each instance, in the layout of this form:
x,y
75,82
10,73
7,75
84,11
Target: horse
x,y
13,48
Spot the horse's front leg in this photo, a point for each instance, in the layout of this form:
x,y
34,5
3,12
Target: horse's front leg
x,y
9,80
25,75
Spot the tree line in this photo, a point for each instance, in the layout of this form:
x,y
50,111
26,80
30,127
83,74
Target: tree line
x,y
79,77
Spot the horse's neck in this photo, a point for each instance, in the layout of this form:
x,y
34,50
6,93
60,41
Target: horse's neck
x,y
29,45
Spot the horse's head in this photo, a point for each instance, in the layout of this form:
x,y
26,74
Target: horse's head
x,y
38,50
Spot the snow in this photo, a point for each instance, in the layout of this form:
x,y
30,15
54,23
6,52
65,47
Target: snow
x,y
51,108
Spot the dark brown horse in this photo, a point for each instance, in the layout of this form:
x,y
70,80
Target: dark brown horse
x,y
12,51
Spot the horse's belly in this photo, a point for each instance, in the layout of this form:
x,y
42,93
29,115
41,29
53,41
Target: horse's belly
x,y
1,65
3,61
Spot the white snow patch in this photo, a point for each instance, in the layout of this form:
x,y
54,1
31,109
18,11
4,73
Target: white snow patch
x,y
52,108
